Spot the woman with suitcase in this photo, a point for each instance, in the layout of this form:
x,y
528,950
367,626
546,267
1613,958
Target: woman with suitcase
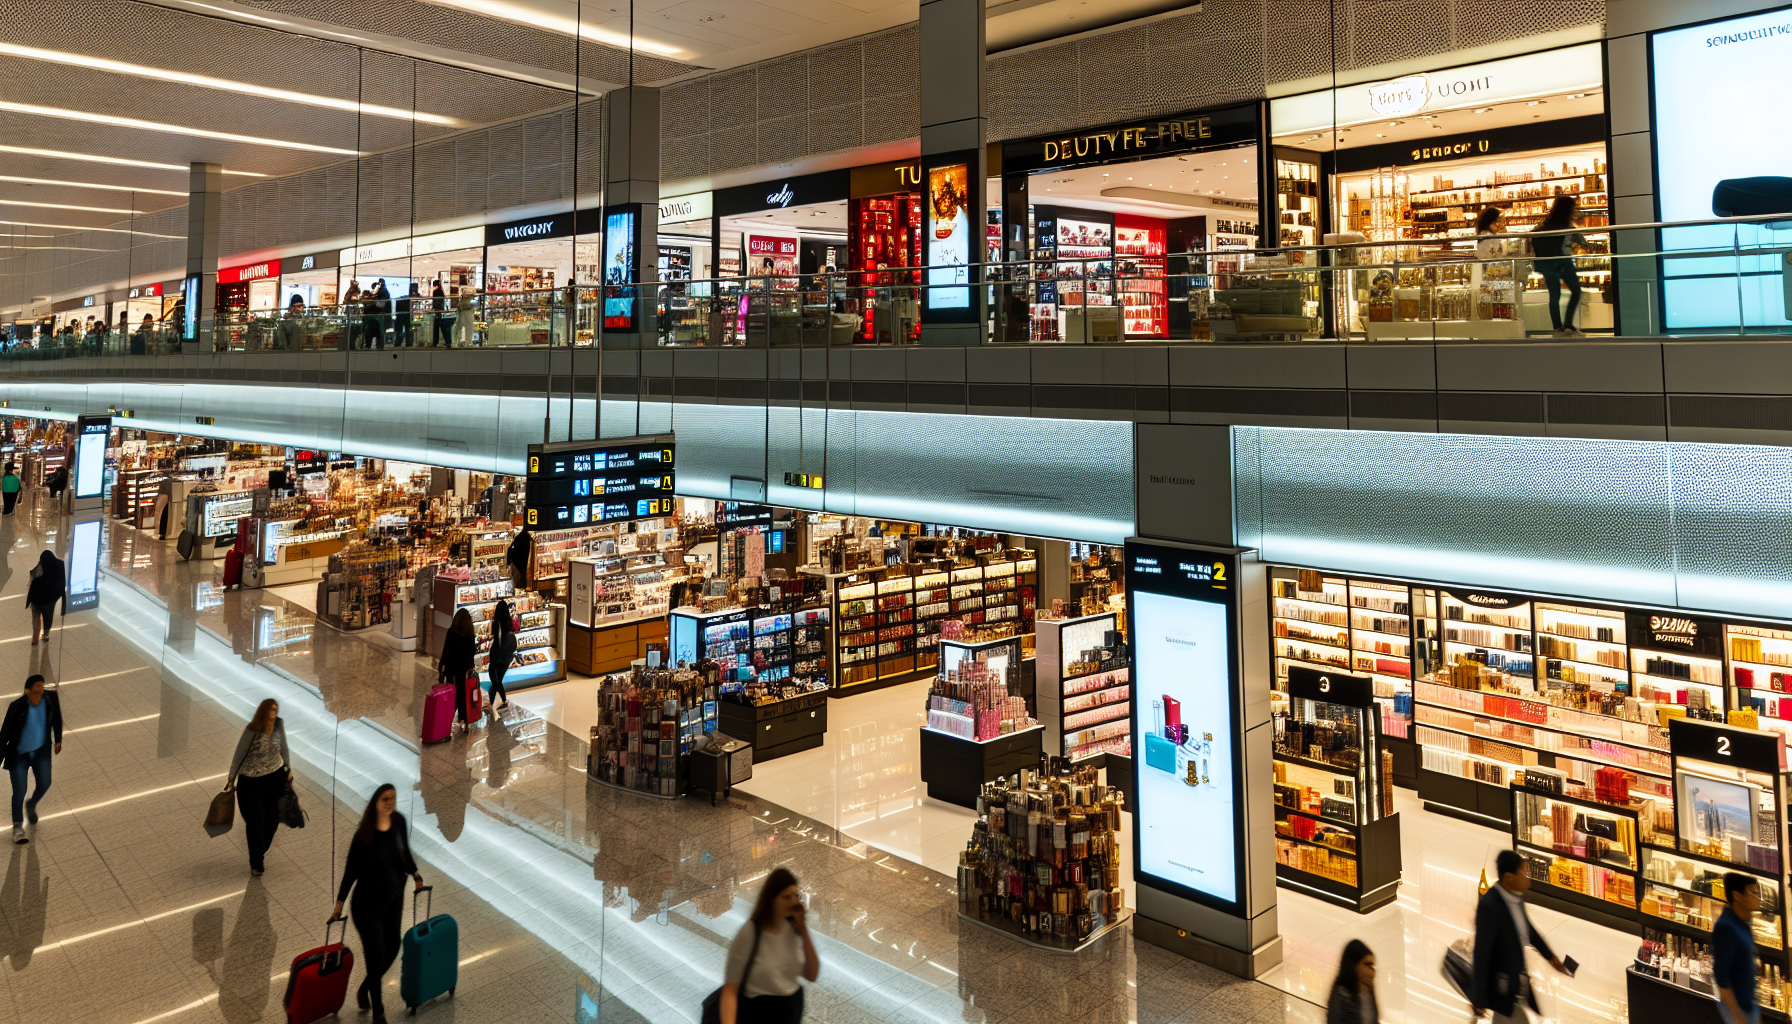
x,y
458,650
503,652
379,858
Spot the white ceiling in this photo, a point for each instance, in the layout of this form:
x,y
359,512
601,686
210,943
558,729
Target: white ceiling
x,y
1226,173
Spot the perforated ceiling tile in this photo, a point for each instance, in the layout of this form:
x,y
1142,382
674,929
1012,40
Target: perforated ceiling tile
x,y
783,86
1491,21
836,75
784,138
893,61
684,108
836,128
892,117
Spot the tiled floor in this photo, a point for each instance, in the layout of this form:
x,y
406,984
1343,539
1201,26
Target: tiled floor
x,y
121,910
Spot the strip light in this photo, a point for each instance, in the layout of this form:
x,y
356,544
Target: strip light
x,y
504,10
65,206
88,184
207,82
118,161
174,129
83,227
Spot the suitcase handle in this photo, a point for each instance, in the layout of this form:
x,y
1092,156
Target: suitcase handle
x,y
427,907
330,923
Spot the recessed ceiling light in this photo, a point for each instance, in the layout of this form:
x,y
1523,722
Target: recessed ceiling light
x,y
58,154
89,184
1576,95
1536,103
1395,124
174,129
207,82
1381,135
66,206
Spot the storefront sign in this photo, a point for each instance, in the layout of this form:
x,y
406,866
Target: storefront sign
x,y
1227,126
1670,631
735,515
1331,687
251,272
147,291
423,245
1526,138
1757,750
579,483
316,261
1488,598
886,179
783,193
535,229
88,301
1553,72
686,208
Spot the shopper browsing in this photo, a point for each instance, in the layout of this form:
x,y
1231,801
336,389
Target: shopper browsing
x,y
379,858
1353,993
769,958
443,330
1733,951
1502,931
503,652
1555,261
458,649
261,769
10,485
29,737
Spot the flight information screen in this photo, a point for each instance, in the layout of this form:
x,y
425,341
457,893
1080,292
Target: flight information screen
x,y
580,483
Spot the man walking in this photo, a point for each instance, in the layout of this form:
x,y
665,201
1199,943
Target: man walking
x,y
31,733
1733,951
1502,931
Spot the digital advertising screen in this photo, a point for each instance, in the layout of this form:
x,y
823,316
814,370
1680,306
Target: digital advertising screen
x,y
189,293
583,483
949,242
90,455
1721,119
619,264
1182,606
84,566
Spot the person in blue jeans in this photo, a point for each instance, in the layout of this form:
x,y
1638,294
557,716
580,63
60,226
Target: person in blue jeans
x,y
30,735
1733,951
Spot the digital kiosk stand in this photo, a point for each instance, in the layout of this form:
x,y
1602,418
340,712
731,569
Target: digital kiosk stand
x,y
87,479
1204,836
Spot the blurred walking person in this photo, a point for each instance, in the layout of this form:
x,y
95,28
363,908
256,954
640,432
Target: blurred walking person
x,y
770,957
260,771
1502,931
379,858
1353,993
49,584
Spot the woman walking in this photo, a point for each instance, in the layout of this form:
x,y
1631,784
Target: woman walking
x,y
1353,993
10,485
1555,261
260,771
49,584
503,652
379,857
458,649
769,956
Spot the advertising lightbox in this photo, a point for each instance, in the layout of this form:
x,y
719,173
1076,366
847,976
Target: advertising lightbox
x,y
84,566
1182,610
951,215
90,455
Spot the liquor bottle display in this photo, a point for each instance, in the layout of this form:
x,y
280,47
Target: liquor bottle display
x,y
1043,861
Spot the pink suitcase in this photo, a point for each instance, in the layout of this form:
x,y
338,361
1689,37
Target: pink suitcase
x,y
438,713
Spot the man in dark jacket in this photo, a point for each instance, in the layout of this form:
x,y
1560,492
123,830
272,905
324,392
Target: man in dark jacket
x,y
31,733
1502,931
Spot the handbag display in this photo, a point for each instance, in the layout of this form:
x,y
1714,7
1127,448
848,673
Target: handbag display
x,y
712,1003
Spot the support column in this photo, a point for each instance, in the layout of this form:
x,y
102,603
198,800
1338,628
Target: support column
x,y
205,204
953,158
630,224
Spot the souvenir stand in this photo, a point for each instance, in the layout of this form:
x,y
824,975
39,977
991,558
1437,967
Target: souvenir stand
x,y
649,721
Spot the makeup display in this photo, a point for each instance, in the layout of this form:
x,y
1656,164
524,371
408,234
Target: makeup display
x,y
539,623
978,724
647,723
1043,861
1579,852
1337,835
1084,687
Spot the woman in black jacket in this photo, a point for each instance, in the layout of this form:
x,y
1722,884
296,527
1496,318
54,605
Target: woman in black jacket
x,y
49,584
503,652
1353,993
458,650
379,857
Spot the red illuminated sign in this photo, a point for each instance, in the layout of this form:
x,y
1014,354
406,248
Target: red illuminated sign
x,y
250,272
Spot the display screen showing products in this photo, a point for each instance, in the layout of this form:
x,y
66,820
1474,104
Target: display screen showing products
x,y
616,482
189,293
772,256
221,512
619,262
90,456
1182,604
948,236
1720,117
84,566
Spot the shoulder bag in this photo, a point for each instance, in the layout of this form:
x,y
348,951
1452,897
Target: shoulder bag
x,y
712,1003
221,815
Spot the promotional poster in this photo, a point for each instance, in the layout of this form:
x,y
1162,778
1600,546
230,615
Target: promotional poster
x,y
948,236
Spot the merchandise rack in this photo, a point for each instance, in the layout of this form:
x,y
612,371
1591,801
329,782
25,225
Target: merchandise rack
x,y
538,642
1337,835
1084,704
1581,855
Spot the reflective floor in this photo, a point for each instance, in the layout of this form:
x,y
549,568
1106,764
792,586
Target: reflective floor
x,y
575,902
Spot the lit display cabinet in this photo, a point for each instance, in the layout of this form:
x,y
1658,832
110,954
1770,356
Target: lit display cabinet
x,y
979,727
1582,855
1337,835
1084,687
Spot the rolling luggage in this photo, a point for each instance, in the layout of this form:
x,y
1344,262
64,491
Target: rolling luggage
x,y
438,713
233,568
430,964
475,698
318,982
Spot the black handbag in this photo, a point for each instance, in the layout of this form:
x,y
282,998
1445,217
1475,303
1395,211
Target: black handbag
x,y
291,814
712,1003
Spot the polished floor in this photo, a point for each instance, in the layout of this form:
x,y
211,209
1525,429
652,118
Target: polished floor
x,y
575,902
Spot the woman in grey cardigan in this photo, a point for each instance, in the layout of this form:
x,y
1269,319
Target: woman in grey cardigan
x,y
260,770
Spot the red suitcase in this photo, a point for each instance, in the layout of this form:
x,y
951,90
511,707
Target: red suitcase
x,y
233,568
475,698
318,982
438,713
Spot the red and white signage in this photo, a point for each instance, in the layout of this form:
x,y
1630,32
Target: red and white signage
x,y
250,272
771,245
146,291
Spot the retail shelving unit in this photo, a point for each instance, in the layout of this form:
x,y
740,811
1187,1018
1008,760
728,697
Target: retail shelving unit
x,y
616,606
539,643
1084,689
983,733
1337,836
1729,815
1581,855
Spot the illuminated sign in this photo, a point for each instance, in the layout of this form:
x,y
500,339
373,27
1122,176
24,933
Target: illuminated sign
x,y
679,209
252,272
532,230
1133,140
581,482
93,432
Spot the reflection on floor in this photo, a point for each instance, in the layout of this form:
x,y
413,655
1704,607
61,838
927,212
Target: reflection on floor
x,y
571,898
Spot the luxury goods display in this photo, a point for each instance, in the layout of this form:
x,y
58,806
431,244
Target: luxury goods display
x,y
1084,687
648,722
1043,861
538,623
979,720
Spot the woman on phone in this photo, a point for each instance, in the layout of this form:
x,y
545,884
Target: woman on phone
x,y
769,956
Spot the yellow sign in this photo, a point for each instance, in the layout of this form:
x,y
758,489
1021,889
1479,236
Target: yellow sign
x,y
1448,150
531,517
1128,140
534,463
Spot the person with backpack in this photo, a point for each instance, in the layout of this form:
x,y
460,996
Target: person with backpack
x,y
503,652
10,486
49,584
29,737
379,858
770,957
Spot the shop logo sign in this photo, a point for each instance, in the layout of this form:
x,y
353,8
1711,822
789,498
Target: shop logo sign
x,y
1674,631
1449,149
308,263
1400,97
542,227
781,198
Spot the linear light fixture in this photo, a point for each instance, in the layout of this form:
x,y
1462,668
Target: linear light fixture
x,y
504,10
66,206
80,227
88,184
175,129
119,161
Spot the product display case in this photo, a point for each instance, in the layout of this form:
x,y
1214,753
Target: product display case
x,y
978,724
1581,855
648,722
1139,245
1760,667
1084,691
1337,835
780,704
616,607
294,550
539,644
617,547
1729,816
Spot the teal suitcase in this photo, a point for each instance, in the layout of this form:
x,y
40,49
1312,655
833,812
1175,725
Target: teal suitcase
x,y
430,956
